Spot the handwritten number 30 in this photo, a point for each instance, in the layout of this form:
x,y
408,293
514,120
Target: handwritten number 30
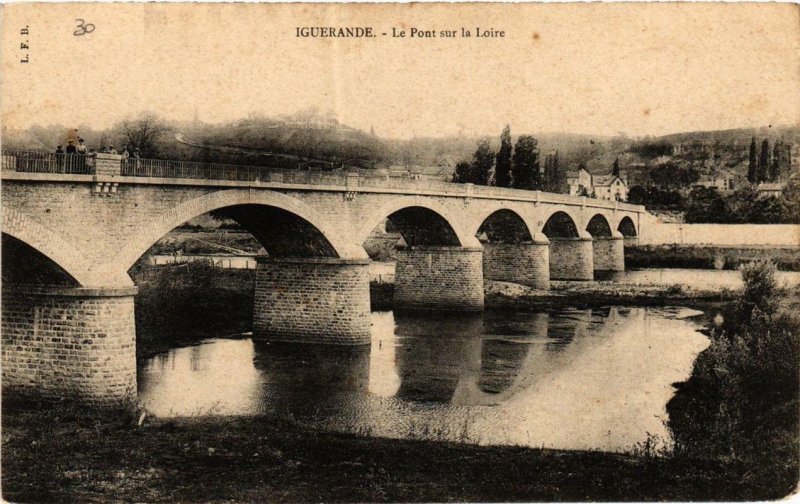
x,y
83,29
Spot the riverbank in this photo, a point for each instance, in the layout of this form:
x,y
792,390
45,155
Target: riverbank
x,y
741,403
65,454
709,257
562,294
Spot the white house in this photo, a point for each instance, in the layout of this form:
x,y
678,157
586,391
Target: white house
x,y
580,183
610,187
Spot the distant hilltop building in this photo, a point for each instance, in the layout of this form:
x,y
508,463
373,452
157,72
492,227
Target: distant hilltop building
x,y
609,187
770,188
721,181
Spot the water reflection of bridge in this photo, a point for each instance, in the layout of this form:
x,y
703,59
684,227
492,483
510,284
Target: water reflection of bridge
x,y
481,359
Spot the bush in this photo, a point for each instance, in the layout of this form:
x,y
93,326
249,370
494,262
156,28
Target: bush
x,y
741,403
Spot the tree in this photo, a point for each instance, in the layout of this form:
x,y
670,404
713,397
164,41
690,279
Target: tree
x,y
482,163
502,170
752,170
143,133
777,158
763,162
463,173
559,177
525,166
547,173
615,168
554,178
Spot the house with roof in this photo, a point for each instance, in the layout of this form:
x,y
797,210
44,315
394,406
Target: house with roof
x,y
770,188
610,187
579,182
721,181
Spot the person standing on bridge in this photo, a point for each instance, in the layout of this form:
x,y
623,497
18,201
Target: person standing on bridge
x,y
70,157
125,154
59,157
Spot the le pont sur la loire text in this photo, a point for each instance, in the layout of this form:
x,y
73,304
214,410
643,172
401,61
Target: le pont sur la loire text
x,y
370,32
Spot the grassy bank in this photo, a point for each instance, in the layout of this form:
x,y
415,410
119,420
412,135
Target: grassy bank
x,y
69,455
740,405
708,257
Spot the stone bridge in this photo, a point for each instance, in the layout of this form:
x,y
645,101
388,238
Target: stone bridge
x,y
72,229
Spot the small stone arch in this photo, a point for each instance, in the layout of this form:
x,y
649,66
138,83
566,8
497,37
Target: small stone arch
x,y
48,243
453,234
627,227
599,227
561,224
330,244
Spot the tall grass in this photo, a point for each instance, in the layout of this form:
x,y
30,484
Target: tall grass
x,y
740,405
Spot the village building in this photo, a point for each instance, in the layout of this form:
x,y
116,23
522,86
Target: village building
x,y
722,181
610,187
767,189
580,183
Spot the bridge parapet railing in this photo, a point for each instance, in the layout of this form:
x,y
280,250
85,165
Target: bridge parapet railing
x,y
46,162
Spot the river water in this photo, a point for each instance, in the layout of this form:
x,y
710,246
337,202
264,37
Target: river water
x,y
569,379
384,272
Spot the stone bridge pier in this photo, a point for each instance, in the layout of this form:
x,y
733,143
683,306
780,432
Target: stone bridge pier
x,y
609,246
312,300
512,253
439,278
69,342
571,249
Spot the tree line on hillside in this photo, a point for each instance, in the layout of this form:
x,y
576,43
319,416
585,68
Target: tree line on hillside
x,y
708,205
768,165
518,167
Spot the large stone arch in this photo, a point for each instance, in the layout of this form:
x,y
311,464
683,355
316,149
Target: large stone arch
x,y
135,247
376,217
53,246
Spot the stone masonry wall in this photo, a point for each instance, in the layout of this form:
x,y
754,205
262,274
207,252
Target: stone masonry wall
x,y
67,345
609,254
571,259
524,263
439,278
312,301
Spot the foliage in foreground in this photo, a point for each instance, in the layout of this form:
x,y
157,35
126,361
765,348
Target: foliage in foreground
x,y
740,405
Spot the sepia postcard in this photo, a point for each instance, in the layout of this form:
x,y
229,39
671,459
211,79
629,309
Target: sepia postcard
x,y
400,252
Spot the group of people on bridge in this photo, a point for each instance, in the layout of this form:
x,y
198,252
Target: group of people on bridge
x,y
73,158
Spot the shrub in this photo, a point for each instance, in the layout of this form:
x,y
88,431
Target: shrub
x,y
741,403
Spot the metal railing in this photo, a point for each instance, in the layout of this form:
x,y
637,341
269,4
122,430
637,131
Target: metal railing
x,y
46,162
164,168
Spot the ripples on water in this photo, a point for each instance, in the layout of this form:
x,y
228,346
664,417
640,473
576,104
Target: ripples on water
x,y
572,379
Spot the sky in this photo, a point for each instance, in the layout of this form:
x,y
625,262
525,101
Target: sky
x,y
583,68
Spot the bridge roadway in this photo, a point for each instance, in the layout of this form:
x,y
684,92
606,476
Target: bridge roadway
x,y
72,229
